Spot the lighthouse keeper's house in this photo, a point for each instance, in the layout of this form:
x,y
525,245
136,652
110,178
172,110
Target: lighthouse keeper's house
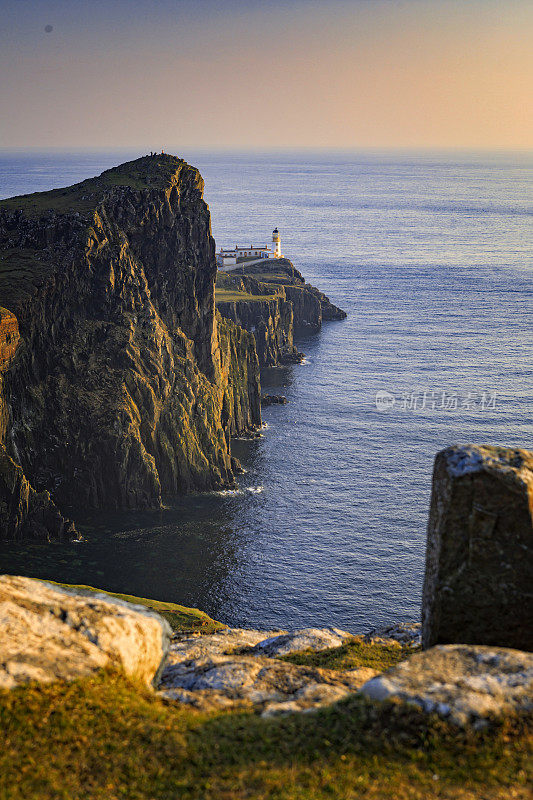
x,y
231,259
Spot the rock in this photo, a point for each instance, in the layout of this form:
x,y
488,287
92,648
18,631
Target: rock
x,y
404,634
25,512
127,383
292,358
48,633
269,319
468,684
230,668
236,466
479,558
229,640
305,639
329,311
273,399
273,301
276,709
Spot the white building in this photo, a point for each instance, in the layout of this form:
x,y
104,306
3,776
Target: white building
x,y
230,259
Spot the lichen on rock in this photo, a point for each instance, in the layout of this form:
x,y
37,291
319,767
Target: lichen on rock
x,y
467,684
240,668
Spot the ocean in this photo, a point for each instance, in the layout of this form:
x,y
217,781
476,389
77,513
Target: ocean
x,y
431,256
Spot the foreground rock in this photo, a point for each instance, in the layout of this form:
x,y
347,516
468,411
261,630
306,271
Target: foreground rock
x,y
467,684
305,639
403,634
239,668
479,558
48,633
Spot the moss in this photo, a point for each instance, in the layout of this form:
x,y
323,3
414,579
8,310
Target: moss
x,y
352,654
103,738
180,618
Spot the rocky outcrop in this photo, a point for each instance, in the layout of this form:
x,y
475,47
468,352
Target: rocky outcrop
x,y
241,668
272,300
330,311
273,400
469,685
25,512
283,644
261,309
479,557
48,633
241,410
405,634
122,388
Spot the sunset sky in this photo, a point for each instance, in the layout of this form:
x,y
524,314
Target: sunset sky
x,y
293,73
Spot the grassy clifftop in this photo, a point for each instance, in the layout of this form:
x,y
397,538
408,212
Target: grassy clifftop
x,y
180,618
32,224
149,172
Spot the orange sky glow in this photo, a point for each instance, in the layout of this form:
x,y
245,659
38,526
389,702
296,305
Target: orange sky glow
x,y
367,73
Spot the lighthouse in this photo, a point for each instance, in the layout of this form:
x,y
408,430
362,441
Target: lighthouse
x,y
276,244
249,253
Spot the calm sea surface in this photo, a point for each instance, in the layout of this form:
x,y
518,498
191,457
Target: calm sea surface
x,y
431,256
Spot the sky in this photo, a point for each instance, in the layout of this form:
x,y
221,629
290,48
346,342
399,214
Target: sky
x,y
262,74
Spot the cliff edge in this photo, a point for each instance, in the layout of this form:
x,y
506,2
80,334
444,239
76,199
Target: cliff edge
x,y
122,384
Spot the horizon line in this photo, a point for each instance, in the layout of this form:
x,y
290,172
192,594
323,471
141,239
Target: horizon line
x,y
71,149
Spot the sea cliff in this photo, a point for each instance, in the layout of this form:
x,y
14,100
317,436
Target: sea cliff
x,y
119,381
272,300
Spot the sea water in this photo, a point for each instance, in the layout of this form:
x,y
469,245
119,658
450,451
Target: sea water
x,y
431,257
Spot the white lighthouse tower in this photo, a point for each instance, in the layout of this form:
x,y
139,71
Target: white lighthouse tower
x,y
276,244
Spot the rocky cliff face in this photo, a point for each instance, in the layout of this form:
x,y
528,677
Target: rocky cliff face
x,y
273,301
122,387
263,310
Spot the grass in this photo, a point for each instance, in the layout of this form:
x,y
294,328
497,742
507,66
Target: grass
x,y
270,277
105,738
233,296
180,618
352,654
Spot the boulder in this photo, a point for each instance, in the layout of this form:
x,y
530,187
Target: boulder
x,y
48,633
479,558
304,639
402,634
239,669
273,399
468,684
